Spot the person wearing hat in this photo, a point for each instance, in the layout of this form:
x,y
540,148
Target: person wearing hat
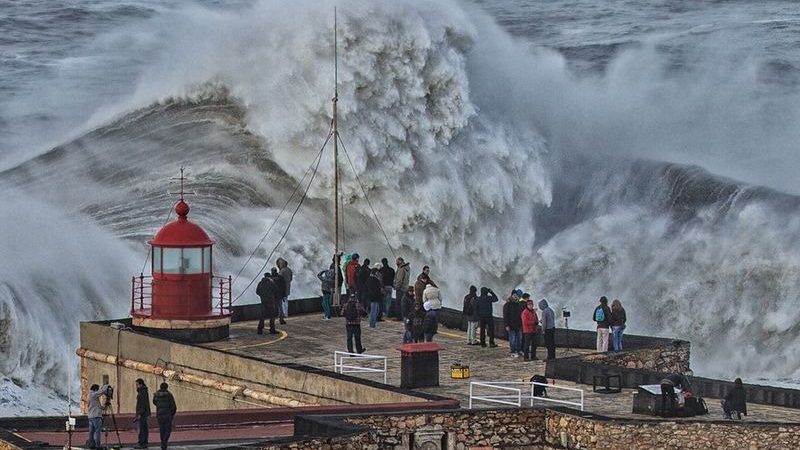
x,y
530,322
373,293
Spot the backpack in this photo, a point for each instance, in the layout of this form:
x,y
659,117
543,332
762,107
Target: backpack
x,y
350,311
599,314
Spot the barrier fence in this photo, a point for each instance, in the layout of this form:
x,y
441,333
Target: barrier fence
x,y
515,392
342,363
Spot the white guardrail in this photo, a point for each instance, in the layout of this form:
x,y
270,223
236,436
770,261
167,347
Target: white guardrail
x,y
342,363
515,395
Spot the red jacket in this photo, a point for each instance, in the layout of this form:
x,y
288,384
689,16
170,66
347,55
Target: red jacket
x,y
350,273
530,321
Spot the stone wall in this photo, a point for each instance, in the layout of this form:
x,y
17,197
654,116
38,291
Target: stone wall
x,y
533,429
665,358
450,430
579,432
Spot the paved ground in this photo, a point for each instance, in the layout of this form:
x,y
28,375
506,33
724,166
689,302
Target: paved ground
x,y
310,340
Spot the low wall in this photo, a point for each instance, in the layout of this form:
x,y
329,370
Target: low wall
x,y
208,379
579,431
456,430
673,357
529,428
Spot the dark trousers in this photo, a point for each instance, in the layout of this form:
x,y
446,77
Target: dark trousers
x,y
164,430
667,399
354,333
264,314
143,430
529,347
550,342
487,324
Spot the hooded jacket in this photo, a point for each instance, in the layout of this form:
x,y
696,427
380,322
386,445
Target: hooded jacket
x,y
431,298
372,288
548,315
165,405
286,273
470,308
530,320
142,402
485,303
512,314
351,273
402,276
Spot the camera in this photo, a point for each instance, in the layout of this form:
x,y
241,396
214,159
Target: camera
x,y
109,393
565,312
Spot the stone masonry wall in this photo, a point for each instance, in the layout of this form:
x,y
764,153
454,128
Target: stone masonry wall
x,y
540,429
670,358
591,434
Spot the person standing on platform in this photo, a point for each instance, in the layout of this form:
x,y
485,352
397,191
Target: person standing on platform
x,y
363,274
401,283
267,291
280,291
735,400
549,327
485,302
512,321
432,303
286,273
351,274
372,292
96,408
387,276
530,322
353,312
417,317
165,413
142,412
327,278
470,313
602,315
618,319
423,280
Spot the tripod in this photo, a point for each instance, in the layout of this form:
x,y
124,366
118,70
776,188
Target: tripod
x,y
109,411
568,350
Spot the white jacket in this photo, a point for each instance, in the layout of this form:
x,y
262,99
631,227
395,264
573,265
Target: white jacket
x,y
431,298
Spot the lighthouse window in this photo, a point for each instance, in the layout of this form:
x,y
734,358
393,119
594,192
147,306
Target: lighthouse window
x,y
207,260
182,260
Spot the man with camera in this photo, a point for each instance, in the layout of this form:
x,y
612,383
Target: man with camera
x,y
96,409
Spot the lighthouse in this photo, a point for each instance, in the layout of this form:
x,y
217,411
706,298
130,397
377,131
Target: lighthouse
x,y
182,299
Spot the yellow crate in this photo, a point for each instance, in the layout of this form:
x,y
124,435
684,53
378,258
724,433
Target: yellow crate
x,y
459,371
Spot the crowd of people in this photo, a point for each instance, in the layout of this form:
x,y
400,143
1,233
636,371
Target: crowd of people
x,y
379,292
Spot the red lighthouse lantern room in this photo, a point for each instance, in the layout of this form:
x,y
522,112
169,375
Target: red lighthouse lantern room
x,y
182,299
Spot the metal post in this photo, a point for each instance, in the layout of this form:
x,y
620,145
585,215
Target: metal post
x,y
470,395
141,291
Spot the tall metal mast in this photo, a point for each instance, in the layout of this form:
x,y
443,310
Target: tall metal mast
x,y
336,286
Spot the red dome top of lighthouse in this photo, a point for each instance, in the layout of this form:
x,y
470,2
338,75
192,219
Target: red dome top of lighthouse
x,y
181,232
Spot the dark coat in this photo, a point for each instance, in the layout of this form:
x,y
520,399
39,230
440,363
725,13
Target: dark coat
x,y
470,308
512,315
618,317
417,319
165,405
606,322
485,303
266,291
142,402
387,274
736,399
372,290
362,276
280,286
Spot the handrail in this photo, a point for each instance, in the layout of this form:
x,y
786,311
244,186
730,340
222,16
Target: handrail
x,y
220,295
503,385
340,367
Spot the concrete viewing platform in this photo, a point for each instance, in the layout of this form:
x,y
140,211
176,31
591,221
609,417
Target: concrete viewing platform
x,y
309,340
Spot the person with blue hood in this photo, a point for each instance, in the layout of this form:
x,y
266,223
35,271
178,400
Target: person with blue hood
x,y
549,327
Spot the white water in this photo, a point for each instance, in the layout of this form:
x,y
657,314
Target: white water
x,y
459,131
